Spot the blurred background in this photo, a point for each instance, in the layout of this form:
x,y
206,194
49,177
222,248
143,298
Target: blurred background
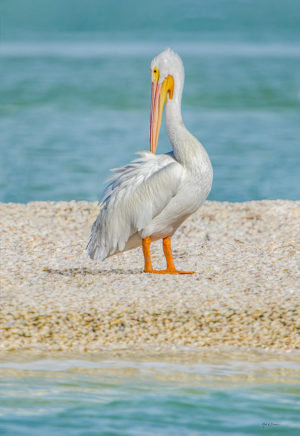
x,y
75,92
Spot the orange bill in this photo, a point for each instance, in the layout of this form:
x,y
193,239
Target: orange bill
x,y
158,98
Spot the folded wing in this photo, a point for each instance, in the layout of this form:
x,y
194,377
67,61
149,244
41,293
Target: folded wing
x,y
136,194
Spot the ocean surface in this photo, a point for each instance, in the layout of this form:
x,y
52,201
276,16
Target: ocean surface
x,y
75,93
253,395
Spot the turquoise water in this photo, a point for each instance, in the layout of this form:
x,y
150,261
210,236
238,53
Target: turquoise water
x,y
75,93
114,397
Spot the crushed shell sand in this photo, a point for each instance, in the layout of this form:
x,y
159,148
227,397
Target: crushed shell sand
x,y
245,291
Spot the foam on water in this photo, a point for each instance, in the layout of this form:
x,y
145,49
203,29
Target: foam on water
x,y
99,49
241,367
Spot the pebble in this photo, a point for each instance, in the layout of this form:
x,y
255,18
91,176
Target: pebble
x,y
244,293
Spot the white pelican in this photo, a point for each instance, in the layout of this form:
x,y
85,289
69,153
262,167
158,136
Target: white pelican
x,y
150,197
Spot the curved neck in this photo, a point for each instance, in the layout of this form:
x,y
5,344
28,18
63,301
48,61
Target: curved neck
x,y
187,149
177,132
173,113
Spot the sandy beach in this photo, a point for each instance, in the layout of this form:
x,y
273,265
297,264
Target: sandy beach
x,y
244,293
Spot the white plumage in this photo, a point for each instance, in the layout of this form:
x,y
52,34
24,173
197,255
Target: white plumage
x,y
155,193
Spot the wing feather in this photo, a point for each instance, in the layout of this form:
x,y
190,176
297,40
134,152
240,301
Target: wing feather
x,y
136,193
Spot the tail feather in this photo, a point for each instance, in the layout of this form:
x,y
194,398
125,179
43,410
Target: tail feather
x,y
97,246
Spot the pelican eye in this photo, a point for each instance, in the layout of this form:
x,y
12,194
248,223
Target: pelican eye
x,y
155,73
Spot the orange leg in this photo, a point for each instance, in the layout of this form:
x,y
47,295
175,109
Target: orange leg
x,y
168,255
147,256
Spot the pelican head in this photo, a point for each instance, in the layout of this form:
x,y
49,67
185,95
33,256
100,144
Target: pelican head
x,y
167,75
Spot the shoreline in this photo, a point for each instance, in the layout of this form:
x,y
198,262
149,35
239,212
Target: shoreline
x,y
244,294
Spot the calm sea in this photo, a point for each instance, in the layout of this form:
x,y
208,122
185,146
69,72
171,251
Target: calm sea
x,y
253,395
75,92
74,102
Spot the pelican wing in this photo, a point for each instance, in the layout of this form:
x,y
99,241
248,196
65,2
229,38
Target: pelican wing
x,y
137,193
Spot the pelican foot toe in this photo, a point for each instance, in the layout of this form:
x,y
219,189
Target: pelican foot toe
x,y
169,271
